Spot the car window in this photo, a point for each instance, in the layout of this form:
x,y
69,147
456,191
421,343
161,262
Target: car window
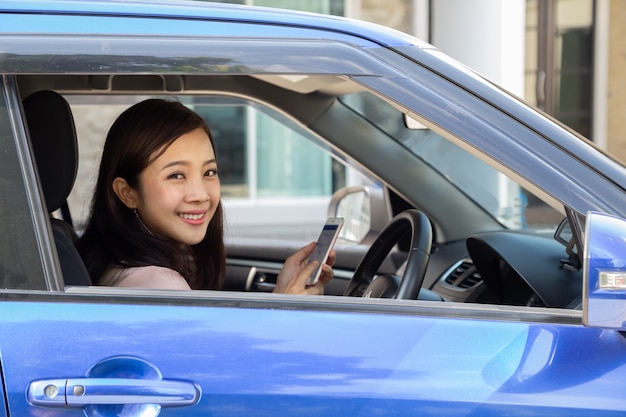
x,y
277,179
20,260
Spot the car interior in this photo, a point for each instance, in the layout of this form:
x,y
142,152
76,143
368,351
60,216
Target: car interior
x,y
468,258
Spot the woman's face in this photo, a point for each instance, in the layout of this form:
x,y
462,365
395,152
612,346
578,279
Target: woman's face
x,y
180,190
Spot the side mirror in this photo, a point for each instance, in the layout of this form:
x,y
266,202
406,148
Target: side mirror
x,y
364,211
604,288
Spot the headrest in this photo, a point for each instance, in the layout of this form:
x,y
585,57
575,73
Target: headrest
x,y
53,137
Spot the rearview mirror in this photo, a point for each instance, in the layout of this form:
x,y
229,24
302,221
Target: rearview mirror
x,y
364,212
411,123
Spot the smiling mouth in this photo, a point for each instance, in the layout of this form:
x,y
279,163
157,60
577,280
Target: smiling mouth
x,y
188,216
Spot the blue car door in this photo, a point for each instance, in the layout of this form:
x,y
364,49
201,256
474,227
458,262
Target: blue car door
x,y
114,353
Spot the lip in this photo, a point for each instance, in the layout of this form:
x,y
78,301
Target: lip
x,y
193,217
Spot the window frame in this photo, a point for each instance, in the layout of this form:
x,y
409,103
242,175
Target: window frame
x,y
51,278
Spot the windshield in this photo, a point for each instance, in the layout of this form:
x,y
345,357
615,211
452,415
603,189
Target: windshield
x,y
505,200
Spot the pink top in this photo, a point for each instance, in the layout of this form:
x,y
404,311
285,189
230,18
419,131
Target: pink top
x,y
153,277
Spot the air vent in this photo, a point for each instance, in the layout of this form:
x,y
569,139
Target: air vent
x,y
264,280
464,275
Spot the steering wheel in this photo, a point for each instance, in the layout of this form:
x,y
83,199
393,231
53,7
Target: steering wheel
x,y
363,283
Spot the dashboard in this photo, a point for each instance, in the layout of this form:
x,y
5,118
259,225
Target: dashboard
x,y
501,267
509,268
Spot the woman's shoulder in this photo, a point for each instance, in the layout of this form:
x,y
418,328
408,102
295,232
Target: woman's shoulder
x,y
153,277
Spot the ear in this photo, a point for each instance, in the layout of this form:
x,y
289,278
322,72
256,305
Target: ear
x,y
126,193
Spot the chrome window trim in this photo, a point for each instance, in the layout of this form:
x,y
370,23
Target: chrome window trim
x,y
331,303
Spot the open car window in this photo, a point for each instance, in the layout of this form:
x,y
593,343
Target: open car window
x,y
276,178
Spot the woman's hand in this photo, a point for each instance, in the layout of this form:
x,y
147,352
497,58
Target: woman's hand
x,y
292,278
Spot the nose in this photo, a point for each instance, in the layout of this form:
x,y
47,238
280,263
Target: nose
x,y
197,190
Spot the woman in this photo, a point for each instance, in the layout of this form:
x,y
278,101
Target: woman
x,y
157,217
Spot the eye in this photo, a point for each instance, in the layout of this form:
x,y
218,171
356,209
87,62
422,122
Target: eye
x,y
210,172
176,176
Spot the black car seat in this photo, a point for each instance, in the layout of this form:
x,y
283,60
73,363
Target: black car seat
x,y
53,137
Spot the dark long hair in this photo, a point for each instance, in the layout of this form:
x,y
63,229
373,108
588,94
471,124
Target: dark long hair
x,y
114,236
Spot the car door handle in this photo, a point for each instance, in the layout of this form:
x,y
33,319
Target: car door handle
x,y
78,392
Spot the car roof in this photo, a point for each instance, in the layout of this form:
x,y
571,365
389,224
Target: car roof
x,y
196,10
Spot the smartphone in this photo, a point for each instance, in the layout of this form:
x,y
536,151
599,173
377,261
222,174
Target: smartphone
x,y
324,244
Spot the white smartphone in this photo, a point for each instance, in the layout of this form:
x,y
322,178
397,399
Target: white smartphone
x,y
324,244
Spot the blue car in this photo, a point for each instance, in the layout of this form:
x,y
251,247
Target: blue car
x,y
481,269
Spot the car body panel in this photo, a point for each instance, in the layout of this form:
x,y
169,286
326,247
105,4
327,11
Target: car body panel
x,y
362,364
